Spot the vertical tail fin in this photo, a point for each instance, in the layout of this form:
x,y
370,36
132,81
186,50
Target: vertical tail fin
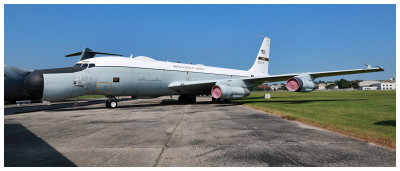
x,y
260,66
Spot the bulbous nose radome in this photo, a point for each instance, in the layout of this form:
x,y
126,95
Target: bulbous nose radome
x,y
34,85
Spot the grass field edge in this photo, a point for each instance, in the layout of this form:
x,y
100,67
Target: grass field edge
x,y
378,141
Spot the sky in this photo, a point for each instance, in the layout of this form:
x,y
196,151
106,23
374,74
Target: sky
x,y
304,38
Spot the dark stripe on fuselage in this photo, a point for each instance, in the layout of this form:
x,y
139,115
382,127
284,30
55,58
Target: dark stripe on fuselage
x,y
61,70
176,70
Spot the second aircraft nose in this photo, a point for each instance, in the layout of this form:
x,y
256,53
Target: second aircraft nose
x,y
34,85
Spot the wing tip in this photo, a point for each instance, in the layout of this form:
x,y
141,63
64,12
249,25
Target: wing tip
x,y
370,67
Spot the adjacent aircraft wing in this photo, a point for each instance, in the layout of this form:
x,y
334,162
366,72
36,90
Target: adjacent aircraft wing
x,y
88,53
284,77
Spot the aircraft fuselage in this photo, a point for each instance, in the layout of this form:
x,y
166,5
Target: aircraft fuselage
x,y
130,78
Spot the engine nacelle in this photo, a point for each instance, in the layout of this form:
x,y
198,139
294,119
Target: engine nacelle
x,y
229,92
303,83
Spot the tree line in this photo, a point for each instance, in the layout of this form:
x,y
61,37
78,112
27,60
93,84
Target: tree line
x,y
343,84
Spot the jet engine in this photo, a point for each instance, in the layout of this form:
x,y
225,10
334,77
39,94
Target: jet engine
x,y
301,83
229,92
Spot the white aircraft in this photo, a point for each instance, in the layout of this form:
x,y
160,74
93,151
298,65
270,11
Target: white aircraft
x,y
145,77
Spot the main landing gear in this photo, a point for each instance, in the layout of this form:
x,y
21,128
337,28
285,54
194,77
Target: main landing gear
x,y
111,102
187,99
221,100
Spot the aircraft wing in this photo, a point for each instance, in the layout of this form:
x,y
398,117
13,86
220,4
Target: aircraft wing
x,y
284,77
192,86
206,85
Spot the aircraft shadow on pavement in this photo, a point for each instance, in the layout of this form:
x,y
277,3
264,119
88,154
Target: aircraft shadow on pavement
x,y
26,109
386,123
175,102
164,102
297,101
272,97
22,148
86,105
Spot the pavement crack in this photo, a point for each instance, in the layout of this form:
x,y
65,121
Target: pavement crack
x,y
168,139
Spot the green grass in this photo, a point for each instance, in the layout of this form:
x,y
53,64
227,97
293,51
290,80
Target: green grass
x,y
367,115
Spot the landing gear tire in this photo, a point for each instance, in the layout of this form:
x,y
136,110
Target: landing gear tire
x,y
111,102
192,99
181,99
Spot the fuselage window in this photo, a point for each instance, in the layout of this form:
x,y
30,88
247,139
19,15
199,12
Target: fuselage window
x,y
91,65
84,65
77,65
116,79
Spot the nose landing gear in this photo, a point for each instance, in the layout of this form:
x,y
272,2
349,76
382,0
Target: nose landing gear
x,y
111,102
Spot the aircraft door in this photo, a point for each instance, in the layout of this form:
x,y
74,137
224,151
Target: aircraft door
x,y
187,75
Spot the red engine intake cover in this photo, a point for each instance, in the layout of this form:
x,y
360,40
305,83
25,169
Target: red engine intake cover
x,y
292,84
216,92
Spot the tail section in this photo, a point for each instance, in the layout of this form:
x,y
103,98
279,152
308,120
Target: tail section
x,y
260,66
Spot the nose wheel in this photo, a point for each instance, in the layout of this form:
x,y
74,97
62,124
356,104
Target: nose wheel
x,y
111,102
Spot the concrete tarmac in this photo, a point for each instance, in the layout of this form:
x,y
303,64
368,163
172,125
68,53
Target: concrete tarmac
x,y
161,132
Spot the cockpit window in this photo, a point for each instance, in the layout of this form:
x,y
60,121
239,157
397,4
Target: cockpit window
x,y
84,65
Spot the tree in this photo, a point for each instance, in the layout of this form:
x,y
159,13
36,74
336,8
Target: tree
x,y
343,84
354,84
255,88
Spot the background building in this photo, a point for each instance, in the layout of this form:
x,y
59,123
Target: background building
x,y
369,88
367,83
385,86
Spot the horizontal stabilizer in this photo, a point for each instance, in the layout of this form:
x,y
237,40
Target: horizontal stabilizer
x,y
88,53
